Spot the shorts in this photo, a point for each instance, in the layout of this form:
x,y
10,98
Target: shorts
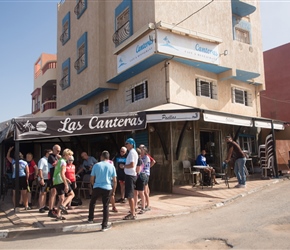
x,y
130,182
43,189
30,183
121,175
147,180
140,184
22,183
59,189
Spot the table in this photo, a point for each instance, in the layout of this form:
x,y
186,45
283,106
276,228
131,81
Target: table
x,y
201,167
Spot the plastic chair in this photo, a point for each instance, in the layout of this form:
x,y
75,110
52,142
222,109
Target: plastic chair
x,y
85,185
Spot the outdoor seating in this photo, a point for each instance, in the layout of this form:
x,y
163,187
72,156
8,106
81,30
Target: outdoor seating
x,y
187,170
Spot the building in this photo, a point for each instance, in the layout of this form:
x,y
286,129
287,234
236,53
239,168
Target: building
x,y
44,91
195,68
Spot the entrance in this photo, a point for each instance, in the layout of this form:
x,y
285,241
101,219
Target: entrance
x,y
210,141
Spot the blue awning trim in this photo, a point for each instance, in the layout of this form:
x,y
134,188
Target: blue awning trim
x,y
245,76
241,8
138,68
83,98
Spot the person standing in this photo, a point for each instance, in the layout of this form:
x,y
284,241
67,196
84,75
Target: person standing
x,y
131,176
43,180
239,158
23,177
60,183
87,164
52,161
120,161
70,175
101,179
33,173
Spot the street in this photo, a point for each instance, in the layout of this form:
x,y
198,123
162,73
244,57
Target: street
x,y
260,220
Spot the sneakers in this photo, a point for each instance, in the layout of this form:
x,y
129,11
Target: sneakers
x,y
237,186
129,217
63,209
121,200
42,210
51,214
28,208
115,210
30,204
90,221
46,208
142,211
240,186
106,228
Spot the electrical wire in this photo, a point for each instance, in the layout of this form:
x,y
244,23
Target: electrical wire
x,y
193,13
273,99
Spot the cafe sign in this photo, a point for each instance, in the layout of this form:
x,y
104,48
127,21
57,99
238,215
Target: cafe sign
x,y
173,117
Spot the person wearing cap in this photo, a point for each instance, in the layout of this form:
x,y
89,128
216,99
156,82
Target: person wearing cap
x,y
239,158
70,175
131,176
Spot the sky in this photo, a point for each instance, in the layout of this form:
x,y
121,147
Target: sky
x,y
28,28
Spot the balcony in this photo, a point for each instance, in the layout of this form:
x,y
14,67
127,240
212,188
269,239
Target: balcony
x,y
122,34
47,105
80,7
64,36
80,62
47,66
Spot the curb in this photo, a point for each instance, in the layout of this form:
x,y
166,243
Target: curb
x,y
97,226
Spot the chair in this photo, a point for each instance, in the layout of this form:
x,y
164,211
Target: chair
x,y
188,171
85,185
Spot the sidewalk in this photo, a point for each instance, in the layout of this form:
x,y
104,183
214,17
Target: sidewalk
x,y
184,200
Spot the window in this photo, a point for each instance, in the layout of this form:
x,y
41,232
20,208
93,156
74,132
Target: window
x,y
65,36
80,8
65,80
247,143
242,35
35,101
104,106
241,96
81,62
79,111
123,23
137,92
206,88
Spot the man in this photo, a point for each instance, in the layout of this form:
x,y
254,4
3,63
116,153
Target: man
x,y
239,159
201,161
43,180
88,163
101,179
120,161
52,161
131,177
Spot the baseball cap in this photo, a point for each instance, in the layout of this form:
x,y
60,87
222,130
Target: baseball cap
x,y
131,141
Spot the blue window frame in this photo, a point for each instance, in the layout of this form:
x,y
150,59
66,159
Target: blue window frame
x,y
123,22
241,30
80,8
65,36
65,80
82,53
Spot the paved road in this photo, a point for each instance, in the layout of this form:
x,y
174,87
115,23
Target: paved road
x,y
257,221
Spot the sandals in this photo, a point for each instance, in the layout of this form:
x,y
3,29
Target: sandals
x,y
142,211
129,217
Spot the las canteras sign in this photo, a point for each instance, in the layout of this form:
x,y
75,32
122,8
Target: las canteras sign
x,y
41,127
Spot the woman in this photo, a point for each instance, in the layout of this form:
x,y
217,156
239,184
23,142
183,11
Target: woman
x,y
70,174
23,177
33,173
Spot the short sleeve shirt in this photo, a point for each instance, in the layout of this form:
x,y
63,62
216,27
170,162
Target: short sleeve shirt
x,y
43,166
103,172
57,179
132,157
22,165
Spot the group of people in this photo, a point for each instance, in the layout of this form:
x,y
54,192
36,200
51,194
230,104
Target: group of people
x,y
56,174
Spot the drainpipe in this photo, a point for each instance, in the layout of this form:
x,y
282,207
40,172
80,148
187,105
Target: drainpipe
x,y
167,87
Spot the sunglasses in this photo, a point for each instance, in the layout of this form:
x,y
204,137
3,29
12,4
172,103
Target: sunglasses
x,y
70,160
122,152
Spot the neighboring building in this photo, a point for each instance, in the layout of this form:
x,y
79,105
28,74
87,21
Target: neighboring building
x,y
275,100
44,93
196,68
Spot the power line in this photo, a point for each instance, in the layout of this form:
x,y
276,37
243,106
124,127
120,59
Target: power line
x,y
193,13
273,99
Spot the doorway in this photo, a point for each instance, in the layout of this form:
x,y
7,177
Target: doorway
x,y
210,141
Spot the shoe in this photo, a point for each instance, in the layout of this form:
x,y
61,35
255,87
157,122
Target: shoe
x,y
237,186
242,186
142,211
148,208
42,210
124,200
90,221
115,210
59,218
129,217
106,228
28,208
63,209
46,208
30,204
51,214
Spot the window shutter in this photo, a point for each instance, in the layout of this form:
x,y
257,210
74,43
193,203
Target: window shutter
x,y
248,99
233,95
198,87
213,91
146,89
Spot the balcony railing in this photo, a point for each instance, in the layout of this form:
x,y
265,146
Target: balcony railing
x,y
122,34
80,62
64,36
79,7
47,66
48,105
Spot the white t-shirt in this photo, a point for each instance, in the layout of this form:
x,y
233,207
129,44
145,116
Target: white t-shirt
x,y
43,165
132,157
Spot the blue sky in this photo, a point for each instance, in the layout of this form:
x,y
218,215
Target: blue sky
x,y
28,28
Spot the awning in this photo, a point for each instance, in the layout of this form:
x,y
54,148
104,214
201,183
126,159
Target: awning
x,y
267,124
227,119
171,112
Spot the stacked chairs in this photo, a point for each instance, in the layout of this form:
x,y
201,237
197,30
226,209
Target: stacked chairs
x,y
266,156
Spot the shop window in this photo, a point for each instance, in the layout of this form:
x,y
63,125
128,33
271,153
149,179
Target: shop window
x,y
82,52
206,88
138,92
104,106
65,80
65,36
241,96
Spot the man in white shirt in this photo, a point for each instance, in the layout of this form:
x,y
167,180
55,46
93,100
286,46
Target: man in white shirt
x,y
131,176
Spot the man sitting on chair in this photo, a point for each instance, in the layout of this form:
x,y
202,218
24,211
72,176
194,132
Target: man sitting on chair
x,y
201,161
